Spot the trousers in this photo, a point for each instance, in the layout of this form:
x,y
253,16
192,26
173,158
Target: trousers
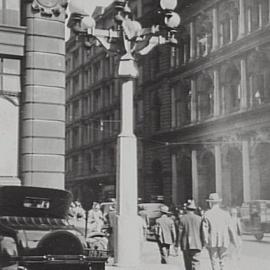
x,y
192,259
164,250
218,257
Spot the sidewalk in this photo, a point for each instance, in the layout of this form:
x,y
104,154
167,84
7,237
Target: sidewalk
x,y
151,261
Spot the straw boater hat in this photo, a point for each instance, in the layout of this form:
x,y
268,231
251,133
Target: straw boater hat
x,y
214,197
164,209
191,205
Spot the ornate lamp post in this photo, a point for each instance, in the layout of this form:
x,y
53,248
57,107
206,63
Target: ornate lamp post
x,y
127,39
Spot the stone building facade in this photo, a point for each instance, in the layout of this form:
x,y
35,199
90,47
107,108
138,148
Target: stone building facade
x,y
32,92
202,107
208,106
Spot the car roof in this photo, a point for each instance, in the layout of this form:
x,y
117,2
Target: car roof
x,y
34,201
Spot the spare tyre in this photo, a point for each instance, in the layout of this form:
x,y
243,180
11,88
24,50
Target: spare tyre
x,y
60,243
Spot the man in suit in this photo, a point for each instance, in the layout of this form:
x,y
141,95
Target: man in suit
x,y
190,237
218,233
165,233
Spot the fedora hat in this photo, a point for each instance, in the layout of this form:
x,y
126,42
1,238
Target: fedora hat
x,y
191,205
164,209
214,197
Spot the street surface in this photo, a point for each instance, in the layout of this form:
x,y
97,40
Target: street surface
x,y
255,256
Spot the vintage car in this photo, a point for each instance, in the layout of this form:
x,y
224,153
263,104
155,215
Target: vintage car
x,y
35,233
255,218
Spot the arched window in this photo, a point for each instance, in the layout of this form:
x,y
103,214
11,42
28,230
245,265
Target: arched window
x,y
9,139
258,78
205,96
10,88
180,104
231,89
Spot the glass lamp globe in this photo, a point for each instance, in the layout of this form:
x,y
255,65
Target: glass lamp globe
x,y
168,4
173,21
88,23
77,6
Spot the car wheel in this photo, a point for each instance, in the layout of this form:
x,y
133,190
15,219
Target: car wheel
x,y
259,236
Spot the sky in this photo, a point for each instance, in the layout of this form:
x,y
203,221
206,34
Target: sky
x,y
88,6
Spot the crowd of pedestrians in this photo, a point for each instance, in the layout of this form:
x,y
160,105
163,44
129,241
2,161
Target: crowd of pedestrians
x,y
192,230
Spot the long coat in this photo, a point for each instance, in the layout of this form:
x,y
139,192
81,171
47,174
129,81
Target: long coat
x,y
218,228
165,230
190,232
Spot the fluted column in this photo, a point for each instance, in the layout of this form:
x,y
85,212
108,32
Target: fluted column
x,y
43,99
192,40
215,32
246,171
193,101
174,180
195,181
241,18
244,94
216,93
218,167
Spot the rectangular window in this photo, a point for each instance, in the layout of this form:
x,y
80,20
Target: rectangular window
x,y
10,79
10,12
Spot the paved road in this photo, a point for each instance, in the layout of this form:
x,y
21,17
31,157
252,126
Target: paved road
x,y
255,255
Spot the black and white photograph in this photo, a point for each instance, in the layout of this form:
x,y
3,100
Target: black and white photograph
x,y
134,134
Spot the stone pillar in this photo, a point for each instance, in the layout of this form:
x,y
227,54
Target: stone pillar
x,y
216,93
43,99
215,32
246,171
192,41
127,253
195,182
244,94
174,180
218,167
193,100
242,28
231,30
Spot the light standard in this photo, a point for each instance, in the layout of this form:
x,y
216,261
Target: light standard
x,y
128,38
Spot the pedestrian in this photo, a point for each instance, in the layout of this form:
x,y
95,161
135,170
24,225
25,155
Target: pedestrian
x,y
218,233
236,252
165,233
95,218
179,214
191,237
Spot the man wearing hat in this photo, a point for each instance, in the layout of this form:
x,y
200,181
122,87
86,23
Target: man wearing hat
x,y
218,232
191,237
165,233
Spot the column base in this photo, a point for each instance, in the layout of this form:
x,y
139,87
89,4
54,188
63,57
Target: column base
x,y
127,242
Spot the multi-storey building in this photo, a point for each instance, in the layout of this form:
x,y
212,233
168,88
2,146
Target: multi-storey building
x,y
206,104
93,114
202,107
32,93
